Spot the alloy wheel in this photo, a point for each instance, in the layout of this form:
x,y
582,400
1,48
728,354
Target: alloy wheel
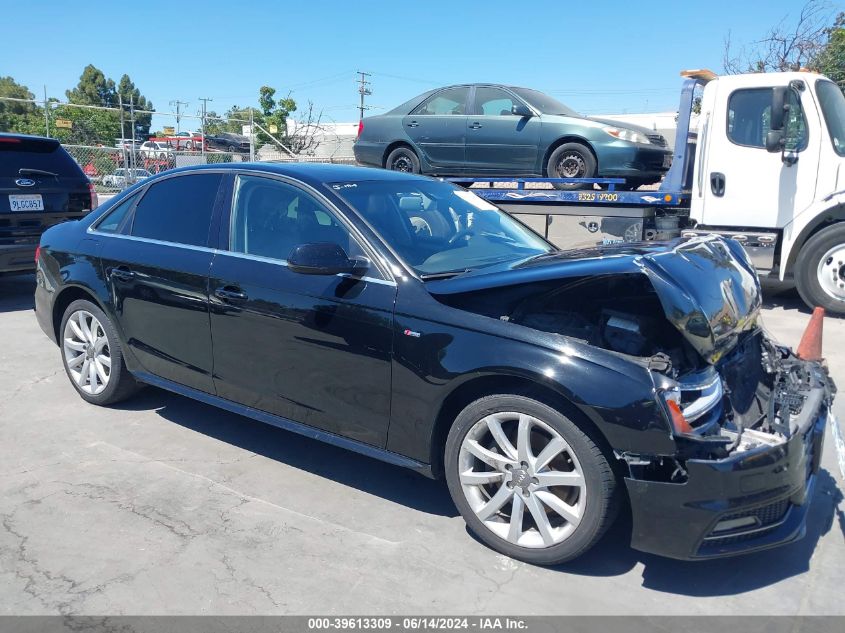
x,y
522,479
831,272
86,352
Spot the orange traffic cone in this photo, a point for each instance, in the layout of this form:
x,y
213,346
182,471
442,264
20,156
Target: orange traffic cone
x,y
810,347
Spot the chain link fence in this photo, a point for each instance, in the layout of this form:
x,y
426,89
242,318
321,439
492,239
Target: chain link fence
x,y
118,146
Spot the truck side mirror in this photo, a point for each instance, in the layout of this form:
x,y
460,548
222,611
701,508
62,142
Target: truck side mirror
x,y
775,141
779,107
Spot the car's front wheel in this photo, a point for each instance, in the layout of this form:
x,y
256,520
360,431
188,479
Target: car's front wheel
x,y
403,159
571,160
527,480
92,355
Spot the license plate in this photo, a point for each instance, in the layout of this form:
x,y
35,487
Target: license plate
x,y
28,202
667,160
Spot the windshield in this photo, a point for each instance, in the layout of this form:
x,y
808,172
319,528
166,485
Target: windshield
x,y
438,228
544,103
832,104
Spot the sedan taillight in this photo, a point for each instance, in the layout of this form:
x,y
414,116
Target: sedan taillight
x,y
37,253
95,201
360,127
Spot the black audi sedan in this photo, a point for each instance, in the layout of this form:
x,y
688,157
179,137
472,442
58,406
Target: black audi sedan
x,y
409,320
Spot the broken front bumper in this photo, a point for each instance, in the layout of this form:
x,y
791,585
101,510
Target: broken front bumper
x,y
764,492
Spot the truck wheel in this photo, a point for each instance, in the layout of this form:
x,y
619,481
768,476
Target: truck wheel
x,y
571,160
820,270
403,159
527,480
92,356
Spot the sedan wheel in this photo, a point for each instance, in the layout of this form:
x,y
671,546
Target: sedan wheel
x,y
87,354
527,480
531,493
92,355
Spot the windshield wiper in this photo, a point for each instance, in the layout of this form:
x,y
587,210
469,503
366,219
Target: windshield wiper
x,y
36,172
444,275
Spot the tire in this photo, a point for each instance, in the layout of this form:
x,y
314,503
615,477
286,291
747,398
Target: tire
x,y
571,160
591,505
403,159
820,270
119,383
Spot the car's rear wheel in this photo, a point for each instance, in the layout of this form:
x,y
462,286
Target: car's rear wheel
x,y
820,270
92,356
527,480
571,160
403,159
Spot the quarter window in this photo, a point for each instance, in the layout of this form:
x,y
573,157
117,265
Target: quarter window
x,y
178,209
493,102
750,116
270,218
113,220
445,102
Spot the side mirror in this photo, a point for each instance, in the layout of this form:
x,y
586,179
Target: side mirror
x,y
775,141
520,109
779,107
324,258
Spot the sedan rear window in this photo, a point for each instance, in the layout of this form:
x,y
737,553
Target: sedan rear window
x,y
35,154
178,209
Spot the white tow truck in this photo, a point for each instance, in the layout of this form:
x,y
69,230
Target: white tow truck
x,y
764,164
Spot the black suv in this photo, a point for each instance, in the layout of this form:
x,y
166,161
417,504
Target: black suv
x,y
40,185
410,320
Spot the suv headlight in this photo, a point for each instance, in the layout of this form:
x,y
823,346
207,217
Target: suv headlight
x,y
624,134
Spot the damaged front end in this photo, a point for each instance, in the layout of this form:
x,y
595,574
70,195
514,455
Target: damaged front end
x,y
746,417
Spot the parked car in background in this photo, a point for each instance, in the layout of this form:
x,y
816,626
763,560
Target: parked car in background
x,y
228,142
155,149
123,177
479,130
412,321
40,185
184,141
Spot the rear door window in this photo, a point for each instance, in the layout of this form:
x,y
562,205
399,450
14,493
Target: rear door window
x,y
445,102
178,209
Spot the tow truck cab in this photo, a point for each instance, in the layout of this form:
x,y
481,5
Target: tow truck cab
x,y
770,165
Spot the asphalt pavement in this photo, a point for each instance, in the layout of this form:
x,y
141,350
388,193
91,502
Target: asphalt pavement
x,y
162,505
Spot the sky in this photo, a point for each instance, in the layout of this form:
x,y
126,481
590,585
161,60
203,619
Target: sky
x,y
599,57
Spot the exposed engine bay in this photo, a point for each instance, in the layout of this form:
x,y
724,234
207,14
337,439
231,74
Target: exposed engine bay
x,y
753,396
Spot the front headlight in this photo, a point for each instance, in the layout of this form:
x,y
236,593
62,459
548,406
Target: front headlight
x,y
624,134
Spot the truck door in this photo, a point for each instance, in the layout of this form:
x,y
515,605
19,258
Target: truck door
x,y
742,184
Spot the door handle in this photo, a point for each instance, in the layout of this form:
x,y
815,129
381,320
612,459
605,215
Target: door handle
x,y
122,273
413,124
717,184
230,293
476,126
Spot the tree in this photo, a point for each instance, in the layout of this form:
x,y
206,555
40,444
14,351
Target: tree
x,y
784,47
16,116
129,94
93,89
92,125
830,60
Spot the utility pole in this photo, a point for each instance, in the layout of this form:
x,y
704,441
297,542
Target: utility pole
x,y
205,101
46,113
364,91
178,103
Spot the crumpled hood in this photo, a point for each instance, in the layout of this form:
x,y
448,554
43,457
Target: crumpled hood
x,y
706,285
